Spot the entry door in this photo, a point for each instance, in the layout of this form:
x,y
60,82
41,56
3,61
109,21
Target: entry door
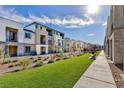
x,y
13,50
43,50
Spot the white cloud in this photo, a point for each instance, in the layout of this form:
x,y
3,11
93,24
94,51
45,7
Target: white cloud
x,y
104,24
91,34
10,13
67,21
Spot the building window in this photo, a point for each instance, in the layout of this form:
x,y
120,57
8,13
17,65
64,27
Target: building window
x,y
42,39
50,42
59,43
57,33
13,36
27,49
37,26
28,35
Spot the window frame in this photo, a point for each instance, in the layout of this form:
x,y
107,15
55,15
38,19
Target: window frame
x,y
27,49
27,35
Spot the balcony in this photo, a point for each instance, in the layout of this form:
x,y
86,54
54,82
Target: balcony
x,y
43,39
43,42
11,35
49,37
12,40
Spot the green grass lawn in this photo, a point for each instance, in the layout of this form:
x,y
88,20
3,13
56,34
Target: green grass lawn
x,y
62,74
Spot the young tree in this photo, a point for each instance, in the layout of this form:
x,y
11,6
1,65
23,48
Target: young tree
x,y
53,44
2,53
74,46
61,55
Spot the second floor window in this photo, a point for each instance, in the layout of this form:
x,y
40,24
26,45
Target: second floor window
x,y
28,35
50,42
13,36
42,39
59,43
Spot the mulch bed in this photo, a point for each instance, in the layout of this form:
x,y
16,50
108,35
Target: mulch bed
x,y
117,75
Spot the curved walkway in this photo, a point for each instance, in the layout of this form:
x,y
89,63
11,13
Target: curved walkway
x,y
98,75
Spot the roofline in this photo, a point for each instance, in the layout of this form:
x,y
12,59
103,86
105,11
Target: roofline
x,y
28,30
43,26
11,20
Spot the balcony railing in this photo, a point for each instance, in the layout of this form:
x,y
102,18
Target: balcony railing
x,y
42,42
11,40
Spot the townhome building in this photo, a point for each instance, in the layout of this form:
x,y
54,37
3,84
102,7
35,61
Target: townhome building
x,y
31,39
73,45
67,45
85,46
114,40
55,41
59,41
47,40
12,37
18,39
80,46
107,40
41,37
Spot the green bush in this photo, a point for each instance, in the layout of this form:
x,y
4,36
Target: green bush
x,y
24,63
34,61
52,58
39,58
62,55
9,61
39,64
12,65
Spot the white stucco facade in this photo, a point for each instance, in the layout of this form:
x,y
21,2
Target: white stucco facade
x,y
58,42
21,40
31,40
38,49
9,23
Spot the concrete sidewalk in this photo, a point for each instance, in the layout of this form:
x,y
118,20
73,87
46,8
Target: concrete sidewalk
x,y
98,75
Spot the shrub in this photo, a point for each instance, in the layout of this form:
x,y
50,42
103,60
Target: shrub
x,y
34,61
39,58
12,65
24,63
65,57
50,61
52,58
7,62
45,59
39,64
16,70
58,59
62,55
17,64
31,58
79,55
15,61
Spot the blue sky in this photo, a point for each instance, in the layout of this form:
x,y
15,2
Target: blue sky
x,y
75,21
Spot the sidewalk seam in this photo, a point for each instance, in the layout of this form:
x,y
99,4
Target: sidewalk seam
x,y
98,80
